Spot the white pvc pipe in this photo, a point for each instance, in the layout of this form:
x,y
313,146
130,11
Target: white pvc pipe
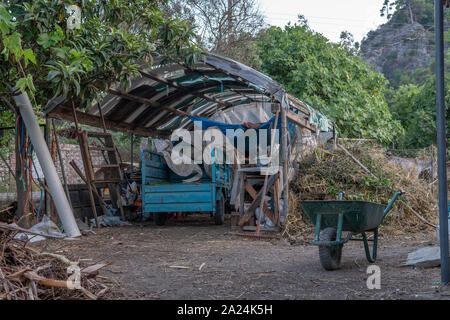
x,y
45,160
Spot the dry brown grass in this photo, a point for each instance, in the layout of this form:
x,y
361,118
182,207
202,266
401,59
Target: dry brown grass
x,y
323,174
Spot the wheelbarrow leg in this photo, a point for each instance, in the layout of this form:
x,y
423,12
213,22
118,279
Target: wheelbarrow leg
x,y
317,230
370,258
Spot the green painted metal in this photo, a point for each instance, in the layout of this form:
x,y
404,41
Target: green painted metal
x,y
356,217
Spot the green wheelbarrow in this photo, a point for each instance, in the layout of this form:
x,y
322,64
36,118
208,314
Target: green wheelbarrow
x,y
335,216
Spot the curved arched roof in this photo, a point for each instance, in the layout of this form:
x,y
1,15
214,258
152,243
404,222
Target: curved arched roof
x,y
160,100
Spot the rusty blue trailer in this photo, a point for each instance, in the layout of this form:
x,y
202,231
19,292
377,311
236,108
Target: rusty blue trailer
x,y
164,192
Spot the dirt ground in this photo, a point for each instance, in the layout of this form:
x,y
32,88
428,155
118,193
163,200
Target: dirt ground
x,y
194,259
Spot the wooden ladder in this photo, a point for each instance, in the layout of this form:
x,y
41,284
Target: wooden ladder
x,y
112,173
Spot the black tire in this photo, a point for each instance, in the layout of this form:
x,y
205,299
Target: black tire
x,y
219,217
330,256
160,218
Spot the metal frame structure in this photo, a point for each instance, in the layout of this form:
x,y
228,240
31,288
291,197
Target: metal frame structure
x,y
160,100
441,137
163,97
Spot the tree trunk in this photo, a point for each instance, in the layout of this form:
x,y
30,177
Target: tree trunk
x,y
21,192
411,16
230,21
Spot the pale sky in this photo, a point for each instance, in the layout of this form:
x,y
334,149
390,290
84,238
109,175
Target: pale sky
x,y
328,17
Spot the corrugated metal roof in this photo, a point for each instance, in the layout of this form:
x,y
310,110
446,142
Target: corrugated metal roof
x,y
159,100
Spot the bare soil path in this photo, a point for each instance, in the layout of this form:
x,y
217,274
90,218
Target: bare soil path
x,y
194,259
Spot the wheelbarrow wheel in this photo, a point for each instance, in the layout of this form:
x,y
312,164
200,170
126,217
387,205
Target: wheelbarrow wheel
x,y
160,218
219,217
330,256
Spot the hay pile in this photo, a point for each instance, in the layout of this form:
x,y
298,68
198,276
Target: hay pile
x,y
323,174
26,274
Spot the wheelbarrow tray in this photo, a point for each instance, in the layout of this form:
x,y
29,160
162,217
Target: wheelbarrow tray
x,y
359,216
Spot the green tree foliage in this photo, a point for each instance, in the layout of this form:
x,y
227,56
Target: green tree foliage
x,y
415,107
409,11
414,104
329,78
42,54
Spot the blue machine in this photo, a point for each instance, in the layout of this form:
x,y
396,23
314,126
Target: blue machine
x,y
163,191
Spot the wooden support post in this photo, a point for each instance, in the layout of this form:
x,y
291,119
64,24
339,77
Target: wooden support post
x,y
264,190
82,141
276,196
94,209
284,161
101,117
242,181
132,150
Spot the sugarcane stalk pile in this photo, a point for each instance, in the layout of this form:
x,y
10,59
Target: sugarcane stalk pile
x,y
27,274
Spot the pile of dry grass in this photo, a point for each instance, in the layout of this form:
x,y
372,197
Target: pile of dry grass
x,y
26,274
323,174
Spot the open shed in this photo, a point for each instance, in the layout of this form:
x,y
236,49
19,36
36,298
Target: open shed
x,y
166,97
161,99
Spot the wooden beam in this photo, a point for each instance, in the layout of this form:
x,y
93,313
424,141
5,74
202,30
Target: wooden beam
x,y
295,118
149,102
65,113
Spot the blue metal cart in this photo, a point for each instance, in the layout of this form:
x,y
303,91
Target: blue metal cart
x,y
164,192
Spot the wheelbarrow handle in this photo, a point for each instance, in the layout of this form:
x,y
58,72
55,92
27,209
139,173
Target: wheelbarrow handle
x,y
391,203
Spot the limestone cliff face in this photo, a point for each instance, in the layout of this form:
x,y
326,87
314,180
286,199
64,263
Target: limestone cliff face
x,y
393,49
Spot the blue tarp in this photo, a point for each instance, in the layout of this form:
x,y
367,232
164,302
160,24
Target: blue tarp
x,y
206,123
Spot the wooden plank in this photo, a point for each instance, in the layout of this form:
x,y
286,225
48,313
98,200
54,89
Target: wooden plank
x,y
256,202
65,113
253,194
295,118
250,190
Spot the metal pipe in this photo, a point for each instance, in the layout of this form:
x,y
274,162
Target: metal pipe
x,y
54,184
441,144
